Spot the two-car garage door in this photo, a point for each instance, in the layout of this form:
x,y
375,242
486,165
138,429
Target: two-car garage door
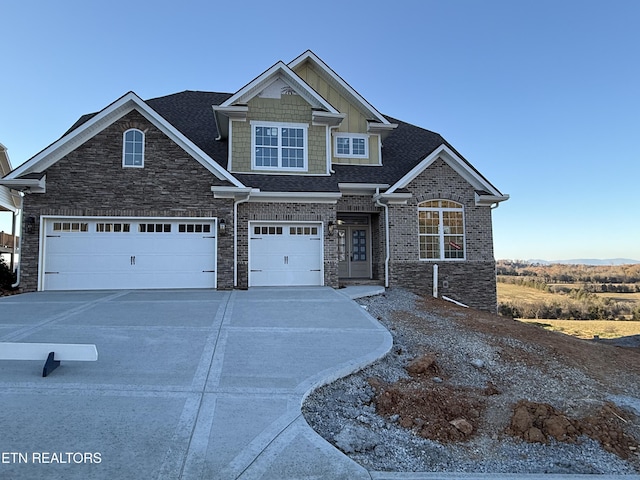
x,y
143,253
128,253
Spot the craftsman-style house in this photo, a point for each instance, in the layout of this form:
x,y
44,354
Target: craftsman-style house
x,y
295,179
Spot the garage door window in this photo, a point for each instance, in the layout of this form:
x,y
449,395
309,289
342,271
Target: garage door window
x,y
267,230
70,227
113,227
154,228
194,228
303,230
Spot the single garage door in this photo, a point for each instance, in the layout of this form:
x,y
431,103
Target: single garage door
x,y
285,254
128,253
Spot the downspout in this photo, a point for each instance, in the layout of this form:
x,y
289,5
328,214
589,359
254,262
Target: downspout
x,y
12,262
386,235
329,144
13,228
235,237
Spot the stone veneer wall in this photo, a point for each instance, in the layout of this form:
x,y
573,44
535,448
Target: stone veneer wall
x,y
287,212
90,181
472,281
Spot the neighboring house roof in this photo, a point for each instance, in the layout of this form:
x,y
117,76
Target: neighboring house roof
x,y
9,201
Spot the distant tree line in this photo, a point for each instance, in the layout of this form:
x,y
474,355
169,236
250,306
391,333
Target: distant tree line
x,y
560,273
575,287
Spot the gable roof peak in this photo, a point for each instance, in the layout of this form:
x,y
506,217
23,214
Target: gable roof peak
x,y
335,79
266,78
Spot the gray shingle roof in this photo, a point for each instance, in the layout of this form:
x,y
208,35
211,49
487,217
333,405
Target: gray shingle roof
x,y
191,113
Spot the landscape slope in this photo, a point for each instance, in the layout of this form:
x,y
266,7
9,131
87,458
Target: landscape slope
x,y
464,390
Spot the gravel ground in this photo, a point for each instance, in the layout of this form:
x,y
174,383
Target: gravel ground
x,y
515,366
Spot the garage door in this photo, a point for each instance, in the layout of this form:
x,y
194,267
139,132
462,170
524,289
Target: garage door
x,y
128,253
285,254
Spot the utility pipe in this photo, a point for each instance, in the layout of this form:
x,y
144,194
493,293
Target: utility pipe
x,y
454,301
435,280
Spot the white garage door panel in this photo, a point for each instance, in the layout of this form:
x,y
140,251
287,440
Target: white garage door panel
x,y
133,259
285,255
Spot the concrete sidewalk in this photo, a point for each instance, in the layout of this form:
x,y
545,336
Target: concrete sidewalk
x,y
188,384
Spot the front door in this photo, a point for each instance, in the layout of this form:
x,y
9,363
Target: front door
x,y
354,251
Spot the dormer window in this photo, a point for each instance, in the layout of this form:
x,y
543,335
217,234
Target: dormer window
x,y
351,145
279,146
133,149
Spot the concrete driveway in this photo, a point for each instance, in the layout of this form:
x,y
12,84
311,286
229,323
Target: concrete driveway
x,y
188,384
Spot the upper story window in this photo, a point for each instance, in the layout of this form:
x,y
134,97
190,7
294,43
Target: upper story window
x,y
133,149
279,146
441,230
351,145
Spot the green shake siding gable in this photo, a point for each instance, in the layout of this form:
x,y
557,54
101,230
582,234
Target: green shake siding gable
x,y
354,122
287,109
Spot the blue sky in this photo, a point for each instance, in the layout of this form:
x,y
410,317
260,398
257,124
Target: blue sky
x,y
543,97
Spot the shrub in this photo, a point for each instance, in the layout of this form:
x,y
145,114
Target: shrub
x,y
7,277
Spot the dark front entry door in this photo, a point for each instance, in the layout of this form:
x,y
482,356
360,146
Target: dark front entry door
x,y
354,251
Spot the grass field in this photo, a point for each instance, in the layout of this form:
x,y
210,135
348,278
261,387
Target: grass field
x,y
508,292
590,328
578,328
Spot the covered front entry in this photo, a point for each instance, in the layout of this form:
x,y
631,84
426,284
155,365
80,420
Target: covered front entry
x,y
354,246
285,254
85,253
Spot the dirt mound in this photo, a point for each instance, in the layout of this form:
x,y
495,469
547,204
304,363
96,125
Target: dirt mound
x,y
425,405
539,422
446,413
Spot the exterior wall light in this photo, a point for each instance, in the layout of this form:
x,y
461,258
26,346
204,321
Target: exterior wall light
x,y
222,226
30,224
332,227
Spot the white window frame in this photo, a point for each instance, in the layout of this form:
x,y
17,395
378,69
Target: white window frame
x,y
442,230
124,149
351,137
303,126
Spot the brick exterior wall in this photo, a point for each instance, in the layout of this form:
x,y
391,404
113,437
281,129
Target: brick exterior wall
x,y
91,181
472,281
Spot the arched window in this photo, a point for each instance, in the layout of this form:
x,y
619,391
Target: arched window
x,y
133,149
441,230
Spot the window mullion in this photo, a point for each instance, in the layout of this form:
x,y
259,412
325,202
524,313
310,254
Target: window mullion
x,y
441,232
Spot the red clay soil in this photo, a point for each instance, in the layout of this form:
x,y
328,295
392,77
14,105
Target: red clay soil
x,y
431,407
